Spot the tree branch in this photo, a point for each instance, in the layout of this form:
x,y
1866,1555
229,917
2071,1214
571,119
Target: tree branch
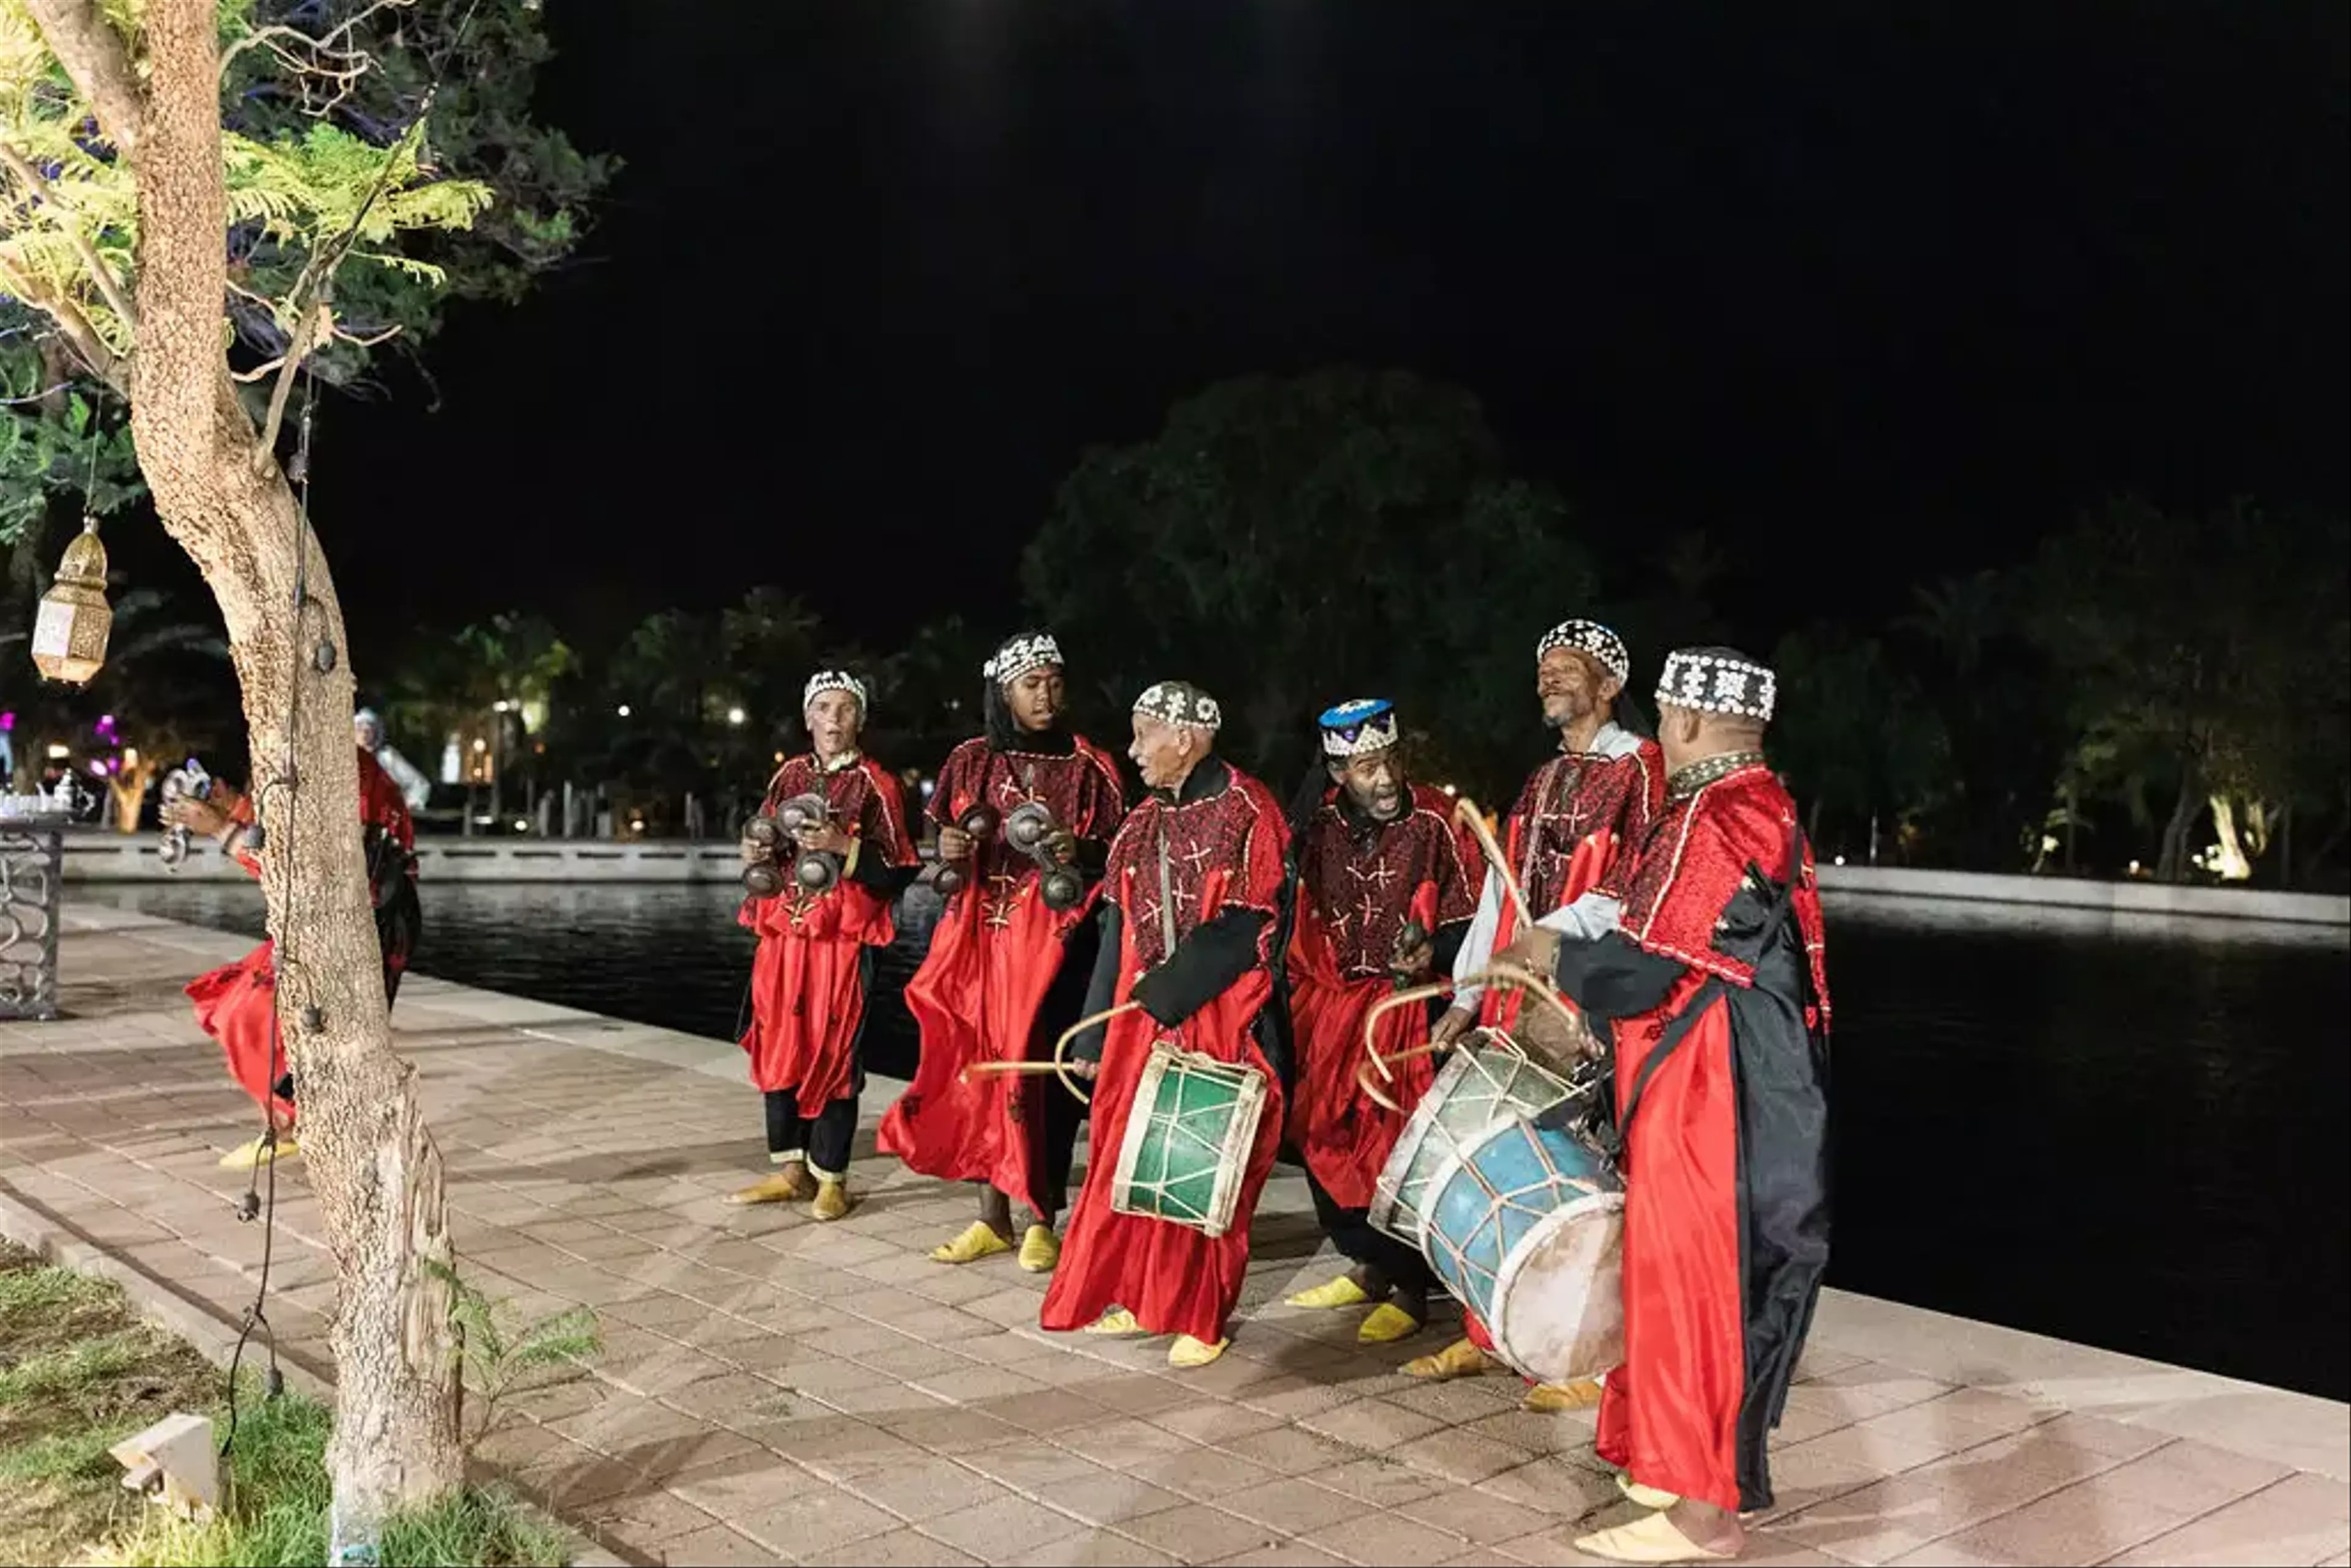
x,y
305,336
110,367
94,59
100,274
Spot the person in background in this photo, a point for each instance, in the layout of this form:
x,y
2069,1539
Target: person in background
x,y
367,728
237,1003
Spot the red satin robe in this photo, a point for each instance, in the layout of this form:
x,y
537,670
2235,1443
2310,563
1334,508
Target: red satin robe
x,y
1225,850
1726,1216
808,994
1355,894
994,956
237,1003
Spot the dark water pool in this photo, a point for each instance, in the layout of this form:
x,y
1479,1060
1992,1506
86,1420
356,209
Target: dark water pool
x,y
2125,1136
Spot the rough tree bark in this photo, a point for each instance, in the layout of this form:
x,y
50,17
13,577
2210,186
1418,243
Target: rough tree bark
x,y
224,499
2171,861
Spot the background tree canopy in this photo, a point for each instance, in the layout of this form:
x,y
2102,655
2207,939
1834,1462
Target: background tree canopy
x,y
1291,542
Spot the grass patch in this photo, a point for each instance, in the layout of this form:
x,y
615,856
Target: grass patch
x,y
79,1371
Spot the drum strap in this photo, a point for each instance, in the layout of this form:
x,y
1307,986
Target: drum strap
x,y
1167,896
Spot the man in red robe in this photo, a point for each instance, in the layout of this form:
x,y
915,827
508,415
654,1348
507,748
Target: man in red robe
x,y
1192,907
815,958
1008,970
1579,814
237,1003
1711,986
1384,899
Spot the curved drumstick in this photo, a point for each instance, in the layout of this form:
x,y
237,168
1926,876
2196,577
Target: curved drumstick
x,y
1372,1090
1465,809
1500,971
1379,1010
1544,990
1061,1063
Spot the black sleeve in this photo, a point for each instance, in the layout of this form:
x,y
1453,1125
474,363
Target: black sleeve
x,y
874,871
1092,859
1217,953
1614,977
1101,991
1447,943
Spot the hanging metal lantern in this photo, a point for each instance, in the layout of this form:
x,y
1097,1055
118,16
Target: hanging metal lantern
x,y
69,636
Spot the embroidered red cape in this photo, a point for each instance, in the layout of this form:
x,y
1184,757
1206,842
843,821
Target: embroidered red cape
x,y
1578,816
1353,902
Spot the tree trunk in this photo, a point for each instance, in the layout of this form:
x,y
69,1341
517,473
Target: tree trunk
x,y
2171,863
371,1159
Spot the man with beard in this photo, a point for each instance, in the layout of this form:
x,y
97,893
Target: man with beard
x,y
815,960
1710,982
1008,970
1192,902
1384,901
237,1003
1578,814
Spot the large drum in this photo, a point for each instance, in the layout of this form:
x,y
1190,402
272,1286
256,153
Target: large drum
x,y
1526,1229
1489,1081
1189,1138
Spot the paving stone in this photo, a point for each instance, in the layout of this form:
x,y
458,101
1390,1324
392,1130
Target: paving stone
x,y
776,1390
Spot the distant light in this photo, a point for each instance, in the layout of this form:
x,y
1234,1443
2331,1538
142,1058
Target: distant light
x,y
97,768
1448,788
2133,868
130,757
622,710
735,716
483,822
58,751
1840,860
521,825
780,756
480,745
499,706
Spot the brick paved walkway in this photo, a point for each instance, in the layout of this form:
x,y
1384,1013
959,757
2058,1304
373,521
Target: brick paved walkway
x,y
779,1391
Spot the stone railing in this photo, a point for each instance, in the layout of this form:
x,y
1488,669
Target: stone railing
x,y
2086,893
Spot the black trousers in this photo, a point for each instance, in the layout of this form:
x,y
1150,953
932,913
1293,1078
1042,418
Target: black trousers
x,y
1350,1231
822,1140
1063,1005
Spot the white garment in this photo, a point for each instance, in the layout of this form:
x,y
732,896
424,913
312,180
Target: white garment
x,y
415,788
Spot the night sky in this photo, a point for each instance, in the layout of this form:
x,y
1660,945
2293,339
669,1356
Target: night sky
x,y
1874,292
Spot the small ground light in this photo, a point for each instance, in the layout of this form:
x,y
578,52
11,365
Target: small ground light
x,y
735,716
174,1462
622,710
1840,860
